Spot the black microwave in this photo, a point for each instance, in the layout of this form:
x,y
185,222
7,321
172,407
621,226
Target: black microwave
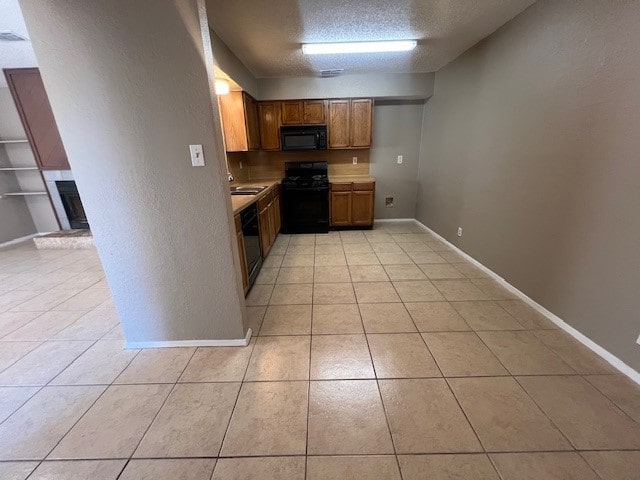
x,y
307,137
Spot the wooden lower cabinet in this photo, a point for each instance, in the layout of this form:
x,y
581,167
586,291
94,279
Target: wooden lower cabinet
x,y
277,214
362,208
269,219
243,256
352,204
340,209
265,231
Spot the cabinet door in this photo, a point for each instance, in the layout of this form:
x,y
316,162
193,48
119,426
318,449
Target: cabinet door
x,y
252,123
362,208
340,208
243,262
291,112
265,233
313,112
277,215
270,120
272,224
37,117
234,127
338,125
242,254
361,122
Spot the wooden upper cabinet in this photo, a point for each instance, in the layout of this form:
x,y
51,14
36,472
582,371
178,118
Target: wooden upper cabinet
x,y
37,118
338,125
303,112
291,112
361,122
239,122
252,121
313,112
270,117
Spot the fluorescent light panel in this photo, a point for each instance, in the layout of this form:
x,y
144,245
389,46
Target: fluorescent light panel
x,y
359,47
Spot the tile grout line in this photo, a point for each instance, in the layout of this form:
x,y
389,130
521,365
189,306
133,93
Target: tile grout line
x,y
164,402
573,446
235,403
615,404
306,445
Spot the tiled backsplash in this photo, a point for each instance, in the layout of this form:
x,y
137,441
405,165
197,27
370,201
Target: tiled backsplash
x,y
262,165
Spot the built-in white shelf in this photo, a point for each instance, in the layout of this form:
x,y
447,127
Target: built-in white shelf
x,y
21,194
17,169
13,141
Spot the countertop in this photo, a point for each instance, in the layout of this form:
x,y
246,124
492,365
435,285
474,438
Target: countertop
x,y
351,178
240,202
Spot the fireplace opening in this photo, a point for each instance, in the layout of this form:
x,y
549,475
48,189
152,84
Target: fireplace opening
x,y
72,204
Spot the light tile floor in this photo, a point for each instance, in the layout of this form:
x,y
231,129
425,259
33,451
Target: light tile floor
x,y
377,354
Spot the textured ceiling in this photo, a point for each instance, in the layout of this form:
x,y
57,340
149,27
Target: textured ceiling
x,y
14,54
266,34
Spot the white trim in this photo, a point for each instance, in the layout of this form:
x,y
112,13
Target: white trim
x,y
586,341
20,240
393,220
235,342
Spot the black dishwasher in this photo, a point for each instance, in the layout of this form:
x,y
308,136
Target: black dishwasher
x,y
251,233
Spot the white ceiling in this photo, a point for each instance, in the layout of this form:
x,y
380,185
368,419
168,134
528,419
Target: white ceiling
x,y
14,54
266,34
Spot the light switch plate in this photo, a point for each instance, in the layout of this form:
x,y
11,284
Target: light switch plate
x,y
197,155
400,159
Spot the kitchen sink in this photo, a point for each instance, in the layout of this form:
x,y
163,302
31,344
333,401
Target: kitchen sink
x,y
247,190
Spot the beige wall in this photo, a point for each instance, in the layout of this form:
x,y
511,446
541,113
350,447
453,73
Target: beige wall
x,y
227,61
130,94
380,85
396,131
531,144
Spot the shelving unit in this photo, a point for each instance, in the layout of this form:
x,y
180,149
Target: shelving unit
x,y
21,194
17,169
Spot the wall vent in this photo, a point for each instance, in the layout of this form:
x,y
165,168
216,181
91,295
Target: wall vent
x,y
9,36
331,73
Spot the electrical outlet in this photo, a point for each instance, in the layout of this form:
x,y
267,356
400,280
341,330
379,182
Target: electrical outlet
x,y
388,201
399,159
459,231
355,160
197,155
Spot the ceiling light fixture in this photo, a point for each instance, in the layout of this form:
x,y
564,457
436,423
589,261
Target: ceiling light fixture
x,y
222,87
359,47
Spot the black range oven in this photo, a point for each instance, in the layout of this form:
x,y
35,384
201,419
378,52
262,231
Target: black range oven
x,y
305,198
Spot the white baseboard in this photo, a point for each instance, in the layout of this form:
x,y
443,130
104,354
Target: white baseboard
x,y
393,220
19,240
235,342
586,341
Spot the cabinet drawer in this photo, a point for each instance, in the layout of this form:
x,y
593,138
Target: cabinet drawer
x,y
341,187
265,200
362,187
